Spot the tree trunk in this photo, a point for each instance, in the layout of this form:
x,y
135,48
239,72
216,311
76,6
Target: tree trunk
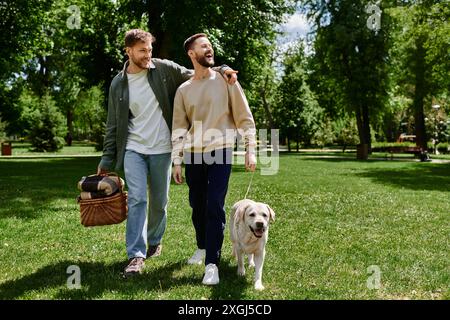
x,y
44,76
362,116
362,152
162,43
419,95
266,104
366,126
69,127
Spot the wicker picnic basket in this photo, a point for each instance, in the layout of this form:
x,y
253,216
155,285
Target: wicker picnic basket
x,y
104,211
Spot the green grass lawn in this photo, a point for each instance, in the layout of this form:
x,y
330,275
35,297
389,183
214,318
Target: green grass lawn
x,y
334,219
77,148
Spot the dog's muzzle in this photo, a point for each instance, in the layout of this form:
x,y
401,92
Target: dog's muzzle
x,y
257,232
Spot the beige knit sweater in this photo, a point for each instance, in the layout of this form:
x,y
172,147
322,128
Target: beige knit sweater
x,y
206,115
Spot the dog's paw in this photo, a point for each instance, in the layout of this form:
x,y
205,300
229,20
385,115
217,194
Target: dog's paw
x,y
259,286
241,272
251,262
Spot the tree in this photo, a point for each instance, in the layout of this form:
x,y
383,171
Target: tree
x,y
420,61
68,46
65,58
90,115
262,91
21,37
240,30
242,33
346,131
81,56
298,114
350,59
45,124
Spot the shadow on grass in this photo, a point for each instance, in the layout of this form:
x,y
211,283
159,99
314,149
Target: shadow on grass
x,y
411,175
28,187
97,279
231,286
333,158
416,177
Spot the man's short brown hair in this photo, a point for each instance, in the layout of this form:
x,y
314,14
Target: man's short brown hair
x,y
135,35
189,41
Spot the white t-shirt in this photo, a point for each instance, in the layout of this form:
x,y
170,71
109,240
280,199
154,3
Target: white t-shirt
x,y
148,132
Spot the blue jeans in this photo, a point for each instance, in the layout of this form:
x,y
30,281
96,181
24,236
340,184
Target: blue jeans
x,y
155,170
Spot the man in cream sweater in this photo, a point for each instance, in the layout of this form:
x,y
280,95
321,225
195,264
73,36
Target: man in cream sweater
x,y
207,112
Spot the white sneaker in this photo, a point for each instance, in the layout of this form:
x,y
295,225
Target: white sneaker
x,y
197,257
211,275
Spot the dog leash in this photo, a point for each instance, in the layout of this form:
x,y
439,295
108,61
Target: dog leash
x,y
249,185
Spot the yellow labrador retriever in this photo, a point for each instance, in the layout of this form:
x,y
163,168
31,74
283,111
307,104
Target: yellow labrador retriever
x,y
249,231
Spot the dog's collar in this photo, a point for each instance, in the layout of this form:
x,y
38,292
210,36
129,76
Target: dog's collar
x,y
253,231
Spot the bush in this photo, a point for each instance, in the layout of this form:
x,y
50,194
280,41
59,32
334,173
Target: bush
x,y
323,135
90,115
383,146
346,132
392,144
46,125
443,147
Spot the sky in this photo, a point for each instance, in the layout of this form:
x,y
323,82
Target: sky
x,y
296,27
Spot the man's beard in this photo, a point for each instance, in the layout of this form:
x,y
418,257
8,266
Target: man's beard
x,y
204,62
143,64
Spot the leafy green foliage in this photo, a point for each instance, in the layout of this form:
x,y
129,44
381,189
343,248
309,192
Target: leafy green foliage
x,y
350,58
90,116
45,124
386,80
298,115
420,64
240,30
346,132
22,35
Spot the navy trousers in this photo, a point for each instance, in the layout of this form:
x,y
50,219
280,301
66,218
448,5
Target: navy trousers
x,y
208,185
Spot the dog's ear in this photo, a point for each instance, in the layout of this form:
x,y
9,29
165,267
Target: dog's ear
x,y
240,213
272,213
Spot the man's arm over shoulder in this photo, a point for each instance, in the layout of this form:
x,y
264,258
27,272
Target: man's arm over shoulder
x,y
181,74
178,73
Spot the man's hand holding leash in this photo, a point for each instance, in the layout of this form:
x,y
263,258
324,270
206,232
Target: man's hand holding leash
x,y
250,161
